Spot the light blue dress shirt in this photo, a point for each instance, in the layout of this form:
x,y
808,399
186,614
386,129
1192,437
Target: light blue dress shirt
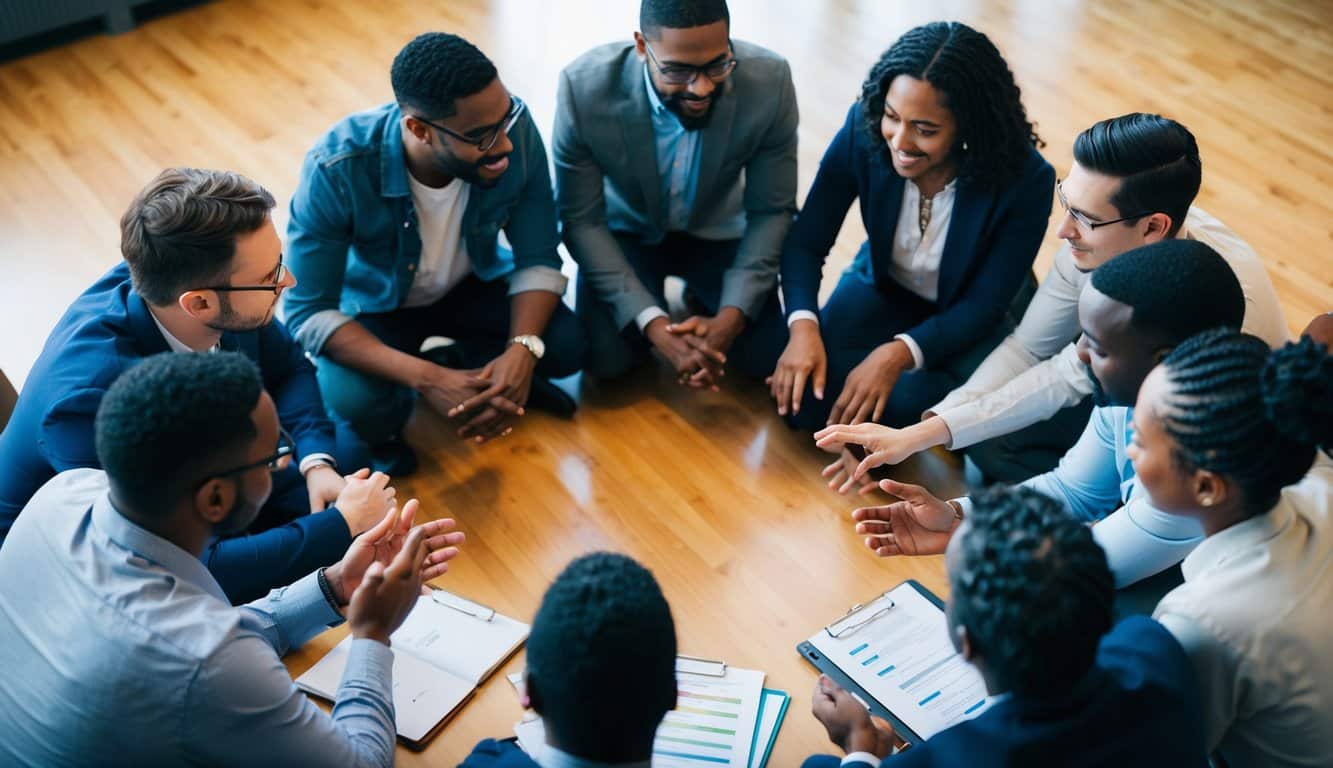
x,y
677,160
551,757
118,646
1095,482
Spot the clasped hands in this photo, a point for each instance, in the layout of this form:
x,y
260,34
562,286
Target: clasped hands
x,y
489,398
697,346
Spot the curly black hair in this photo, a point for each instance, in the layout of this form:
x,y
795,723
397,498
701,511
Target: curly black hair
x,y
1032,588
976,85
168,421
1177,288
603,629
1252,414
680,14
434,70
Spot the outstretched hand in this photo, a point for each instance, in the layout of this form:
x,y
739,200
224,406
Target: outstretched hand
x,y
919,524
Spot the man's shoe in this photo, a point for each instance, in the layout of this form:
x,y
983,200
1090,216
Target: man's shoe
x,y
545,396
393,457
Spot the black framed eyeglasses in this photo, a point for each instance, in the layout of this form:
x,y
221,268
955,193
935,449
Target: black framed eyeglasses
x,y
685,74
279,275
280,458
1082,219
483,138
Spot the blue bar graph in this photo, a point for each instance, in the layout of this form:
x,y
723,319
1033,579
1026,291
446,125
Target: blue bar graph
x,y
928,699
974,707
860,648
870,660
886,670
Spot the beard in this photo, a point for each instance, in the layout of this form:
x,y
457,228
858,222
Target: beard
x,y
231,320
687,121
1099,397
469,173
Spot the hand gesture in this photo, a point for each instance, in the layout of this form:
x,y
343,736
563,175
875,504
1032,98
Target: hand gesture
x,y
804,359
883,445
365,499
841,474
452,393
387,594
719,331
494,408
323,484
383,542
866,391
697,364
847,722
919,524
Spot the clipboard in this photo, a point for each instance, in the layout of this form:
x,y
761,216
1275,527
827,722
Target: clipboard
x,y
857,617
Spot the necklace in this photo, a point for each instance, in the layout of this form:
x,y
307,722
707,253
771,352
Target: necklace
x,y
923,213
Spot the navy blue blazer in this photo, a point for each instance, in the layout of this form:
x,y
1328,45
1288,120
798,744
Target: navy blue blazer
x,y
992,240
498,754
107,330
1139,706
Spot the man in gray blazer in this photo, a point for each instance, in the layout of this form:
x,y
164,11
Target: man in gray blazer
x,y
676,155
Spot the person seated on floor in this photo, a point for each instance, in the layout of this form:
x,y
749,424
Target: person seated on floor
x,y
1133,182
601,669
1030,607
955,199
675,154
394,232
1133,311
1225,433
202,271
121,647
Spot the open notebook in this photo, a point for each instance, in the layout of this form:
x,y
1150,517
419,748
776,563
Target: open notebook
x,y
444,650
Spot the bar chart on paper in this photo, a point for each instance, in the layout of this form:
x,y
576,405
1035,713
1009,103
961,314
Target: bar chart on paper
x,y
713,722
904,660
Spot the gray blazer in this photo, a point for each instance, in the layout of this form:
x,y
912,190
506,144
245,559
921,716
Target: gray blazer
x,y
606,171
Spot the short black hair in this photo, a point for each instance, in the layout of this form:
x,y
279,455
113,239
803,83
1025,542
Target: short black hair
x,y
977,86
179,234
1033,589
168,421
1241,410
1155,158
680,14
435,70
602,653
1177,288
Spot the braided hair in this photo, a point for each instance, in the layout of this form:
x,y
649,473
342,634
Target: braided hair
x,y
1033,590
1254,415
434,70
603,628
976,85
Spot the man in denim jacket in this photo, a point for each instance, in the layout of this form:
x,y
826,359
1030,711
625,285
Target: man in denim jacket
x,y
393,235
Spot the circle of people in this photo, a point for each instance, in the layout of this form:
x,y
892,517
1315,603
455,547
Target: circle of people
x,y
173,522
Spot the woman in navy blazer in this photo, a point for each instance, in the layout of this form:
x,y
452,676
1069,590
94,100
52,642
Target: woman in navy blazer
x,y
939,137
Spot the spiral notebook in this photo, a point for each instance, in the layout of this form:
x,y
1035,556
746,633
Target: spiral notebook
x,y
447,647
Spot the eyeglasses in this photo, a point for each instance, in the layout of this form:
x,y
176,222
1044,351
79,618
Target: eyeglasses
x,y
684,74
279,276
280,458
1082,219
483,138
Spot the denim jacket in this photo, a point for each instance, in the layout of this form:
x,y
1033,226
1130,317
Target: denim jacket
x,y
353,242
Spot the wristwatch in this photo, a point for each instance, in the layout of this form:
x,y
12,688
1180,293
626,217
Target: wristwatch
x,y
532,343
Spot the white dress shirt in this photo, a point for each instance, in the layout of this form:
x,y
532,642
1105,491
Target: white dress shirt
x,y
444,260
119,646
1036,371
1254,617
915,262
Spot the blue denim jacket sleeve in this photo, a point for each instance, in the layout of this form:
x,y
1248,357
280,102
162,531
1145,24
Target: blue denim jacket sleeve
x,y
319,234
533,228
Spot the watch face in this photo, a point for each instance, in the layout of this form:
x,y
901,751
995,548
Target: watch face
x,y
537,346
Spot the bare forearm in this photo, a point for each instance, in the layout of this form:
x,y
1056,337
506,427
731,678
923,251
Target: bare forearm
x,y
530,311
355,347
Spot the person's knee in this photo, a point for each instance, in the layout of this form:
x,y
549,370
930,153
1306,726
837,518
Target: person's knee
x,y
377,409
566,345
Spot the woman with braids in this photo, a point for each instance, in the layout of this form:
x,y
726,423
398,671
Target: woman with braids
x,y
955,199
1225,432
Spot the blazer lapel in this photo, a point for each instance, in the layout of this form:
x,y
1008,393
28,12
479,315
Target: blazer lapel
x,y
884,227
971,209
640,144
716,140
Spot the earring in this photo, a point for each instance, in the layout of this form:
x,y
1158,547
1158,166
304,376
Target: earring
x,y
965,146
1207,501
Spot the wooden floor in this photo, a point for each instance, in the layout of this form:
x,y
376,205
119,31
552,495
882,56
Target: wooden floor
x,y
711,491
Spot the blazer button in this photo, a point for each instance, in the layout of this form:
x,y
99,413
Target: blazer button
x,y
407,224
411,267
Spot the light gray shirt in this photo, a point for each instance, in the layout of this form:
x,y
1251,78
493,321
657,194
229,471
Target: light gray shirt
x,y
119,647
1254,617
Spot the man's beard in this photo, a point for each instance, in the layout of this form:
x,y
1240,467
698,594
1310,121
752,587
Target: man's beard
x,y
690,122
1099,397
230,320
470,173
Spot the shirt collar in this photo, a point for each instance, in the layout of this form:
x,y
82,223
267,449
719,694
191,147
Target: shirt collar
x,y
1236,541
554,758
174,343
152,547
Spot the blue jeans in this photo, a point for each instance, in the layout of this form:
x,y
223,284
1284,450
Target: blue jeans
x,y
613,351
475,314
